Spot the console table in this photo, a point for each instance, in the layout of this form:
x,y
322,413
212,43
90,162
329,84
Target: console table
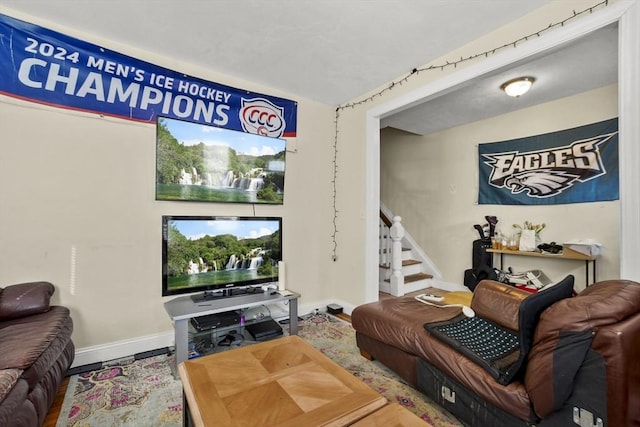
x,y
183,309
565,254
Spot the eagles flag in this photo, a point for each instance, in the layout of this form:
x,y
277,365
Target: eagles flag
x,y
570,166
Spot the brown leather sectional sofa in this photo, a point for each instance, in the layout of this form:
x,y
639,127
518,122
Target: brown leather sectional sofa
x,y
579,364
35,352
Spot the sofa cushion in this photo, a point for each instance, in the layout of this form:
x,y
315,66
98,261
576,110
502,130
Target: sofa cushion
x,y
8,378
25,340
491,342
53,354
533,306
25,299
498,302
18,411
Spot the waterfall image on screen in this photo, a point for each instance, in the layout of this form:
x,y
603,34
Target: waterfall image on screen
x,y
209,253
196,162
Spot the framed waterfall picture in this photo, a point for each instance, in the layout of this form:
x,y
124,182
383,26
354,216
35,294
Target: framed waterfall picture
x,y
201,163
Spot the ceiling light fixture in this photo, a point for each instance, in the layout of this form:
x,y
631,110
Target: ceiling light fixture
x,y
517,87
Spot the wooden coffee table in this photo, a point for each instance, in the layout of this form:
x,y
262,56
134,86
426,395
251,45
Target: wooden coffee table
x,y
283,382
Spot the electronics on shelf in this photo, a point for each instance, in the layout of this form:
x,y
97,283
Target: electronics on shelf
x,y
261,331
218,320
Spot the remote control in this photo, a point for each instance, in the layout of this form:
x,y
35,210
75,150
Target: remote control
x,y
431,297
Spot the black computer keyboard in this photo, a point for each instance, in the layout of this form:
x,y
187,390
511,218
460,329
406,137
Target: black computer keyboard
x,y
481,337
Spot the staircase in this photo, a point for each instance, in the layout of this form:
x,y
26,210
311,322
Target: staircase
x,y
414,278
403,267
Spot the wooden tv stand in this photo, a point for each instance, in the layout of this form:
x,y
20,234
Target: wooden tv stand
x,y
183,309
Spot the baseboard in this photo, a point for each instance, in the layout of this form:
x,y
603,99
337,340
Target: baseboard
x,y
347,308
118,349
448,286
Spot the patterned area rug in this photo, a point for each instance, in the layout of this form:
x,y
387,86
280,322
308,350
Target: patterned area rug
x,y
128,392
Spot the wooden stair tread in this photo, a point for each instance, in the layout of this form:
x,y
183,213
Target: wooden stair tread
x,y
414,277
405,263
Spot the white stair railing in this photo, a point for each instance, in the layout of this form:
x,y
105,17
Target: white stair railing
x,y
385,243
397,277
396,246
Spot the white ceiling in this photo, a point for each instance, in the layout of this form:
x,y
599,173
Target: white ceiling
x,y
330,51
588,63
334,51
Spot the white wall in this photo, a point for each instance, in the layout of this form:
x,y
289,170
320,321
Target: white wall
x,y
78,208
358,155
432,182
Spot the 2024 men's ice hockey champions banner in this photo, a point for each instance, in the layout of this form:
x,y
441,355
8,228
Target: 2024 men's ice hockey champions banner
x,y
43,66
570,166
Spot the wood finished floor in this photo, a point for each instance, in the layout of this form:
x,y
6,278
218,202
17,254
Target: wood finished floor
x,y
52,417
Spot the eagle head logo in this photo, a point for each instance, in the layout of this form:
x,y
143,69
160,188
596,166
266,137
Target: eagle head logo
x,y
540,183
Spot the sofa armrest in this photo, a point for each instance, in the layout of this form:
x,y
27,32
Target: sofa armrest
x,y
25,299
562,341
498,302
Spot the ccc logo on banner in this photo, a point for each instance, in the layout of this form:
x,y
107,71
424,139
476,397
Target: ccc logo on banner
x,y
262,117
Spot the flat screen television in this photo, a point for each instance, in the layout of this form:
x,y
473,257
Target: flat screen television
x,y
215,256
